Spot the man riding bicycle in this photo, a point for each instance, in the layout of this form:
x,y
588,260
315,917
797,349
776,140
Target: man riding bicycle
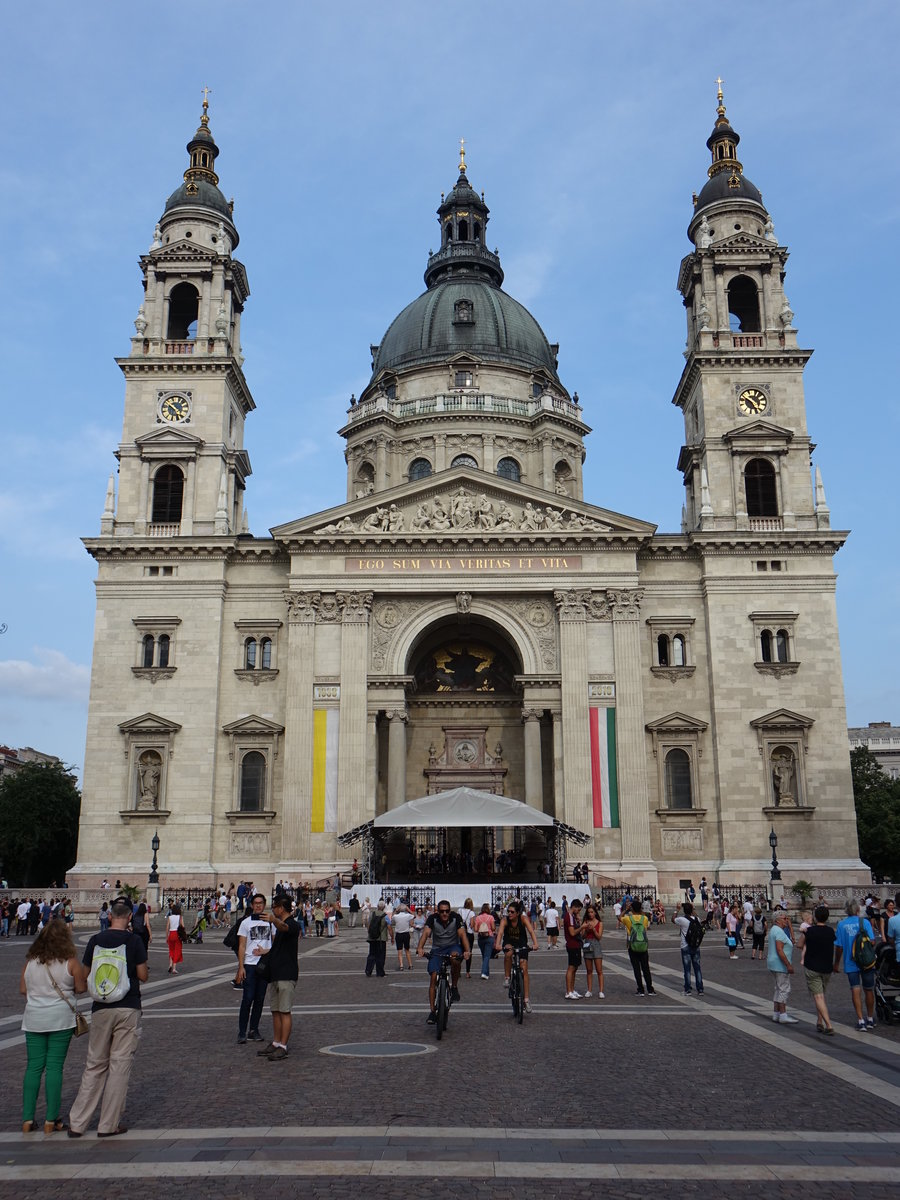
x,y
515,930
448,940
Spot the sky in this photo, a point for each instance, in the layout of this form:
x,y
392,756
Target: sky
x,y
338,127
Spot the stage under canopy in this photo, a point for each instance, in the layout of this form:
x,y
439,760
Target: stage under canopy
x,y
464,808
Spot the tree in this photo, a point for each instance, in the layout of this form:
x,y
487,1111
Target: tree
x,y
39,809
877,799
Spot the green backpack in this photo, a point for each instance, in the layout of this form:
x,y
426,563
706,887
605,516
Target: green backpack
x,y
863,948
637,938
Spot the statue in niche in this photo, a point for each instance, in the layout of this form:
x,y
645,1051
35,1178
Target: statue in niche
x,y
704,234
149,777
783,774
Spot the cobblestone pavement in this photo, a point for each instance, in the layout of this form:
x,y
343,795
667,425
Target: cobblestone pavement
x,y
658,1096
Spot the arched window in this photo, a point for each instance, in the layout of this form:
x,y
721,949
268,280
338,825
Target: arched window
x,y
662,650
463,233
419,468
765,645
782,645
477,230
250,654
678,656
743,305
508,468
448,230
759,485
265,654
464,460
184,304
148,644
162,650
253,782
678,779
168,494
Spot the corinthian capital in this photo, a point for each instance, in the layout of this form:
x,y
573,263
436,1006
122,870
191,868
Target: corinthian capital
x,y
302,607
625,603
355,606
571,603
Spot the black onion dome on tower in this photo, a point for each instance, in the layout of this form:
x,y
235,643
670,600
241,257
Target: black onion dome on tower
x,y
200,187
727,180
464,309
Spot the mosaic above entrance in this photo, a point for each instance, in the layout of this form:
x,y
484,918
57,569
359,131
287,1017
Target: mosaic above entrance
x,y
465,667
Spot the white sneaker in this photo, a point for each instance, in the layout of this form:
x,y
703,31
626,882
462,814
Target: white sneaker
x,y
775,1016
528,1007
787,1019
587,995
600,996
573,995
485,977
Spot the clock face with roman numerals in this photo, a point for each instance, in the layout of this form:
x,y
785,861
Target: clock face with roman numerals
x,y
752,401
175,408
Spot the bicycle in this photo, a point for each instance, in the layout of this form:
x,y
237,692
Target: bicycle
x,y
517,986
443,996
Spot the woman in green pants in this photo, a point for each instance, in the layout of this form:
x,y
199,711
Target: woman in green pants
x,y
51,977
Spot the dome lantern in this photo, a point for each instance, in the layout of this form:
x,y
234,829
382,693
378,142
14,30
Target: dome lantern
x,y
463,217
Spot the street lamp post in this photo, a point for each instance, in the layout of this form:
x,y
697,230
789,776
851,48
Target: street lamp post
x,y
774,874
154,874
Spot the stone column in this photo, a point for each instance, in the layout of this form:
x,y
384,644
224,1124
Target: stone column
x,y
488,453
371,764
396,780
380,463
352,780
187,507
144,513
558,776
440,452
547,463
296,800
631,753
534,779
575,806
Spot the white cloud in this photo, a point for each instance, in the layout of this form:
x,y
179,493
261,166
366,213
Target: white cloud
x,y
51,677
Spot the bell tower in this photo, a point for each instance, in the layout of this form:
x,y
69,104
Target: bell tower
x,y
182,465
746,457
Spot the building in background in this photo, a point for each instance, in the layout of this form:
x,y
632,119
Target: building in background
x,y
883,740
466,616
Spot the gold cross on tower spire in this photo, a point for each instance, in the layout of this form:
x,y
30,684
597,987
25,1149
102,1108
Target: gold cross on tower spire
x,y
205,91
462,156
719,83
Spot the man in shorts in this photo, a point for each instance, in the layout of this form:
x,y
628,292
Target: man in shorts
x,y
283,972
402,921
844,937
448,939
571,921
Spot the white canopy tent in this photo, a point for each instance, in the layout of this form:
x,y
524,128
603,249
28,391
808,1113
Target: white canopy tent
x,y
463,807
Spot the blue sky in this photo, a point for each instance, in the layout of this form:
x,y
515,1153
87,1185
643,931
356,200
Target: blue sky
x,y
338,128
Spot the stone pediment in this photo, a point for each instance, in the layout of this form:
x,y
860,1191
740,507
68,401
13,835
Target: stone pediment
x,y
253,724
169,437
677,722
782,718
462,502
148,724
759,431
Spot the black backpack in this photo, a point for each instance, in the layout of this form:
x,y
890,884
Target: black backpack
x,y
231,937
694,933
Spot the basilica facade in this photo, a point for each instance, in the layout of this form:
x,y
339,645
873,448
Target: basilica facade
x,y
466,617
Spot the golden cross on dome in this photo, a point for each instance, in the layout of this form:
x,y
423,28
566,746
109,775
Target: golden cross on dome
x,y
462,156
719,83
205,91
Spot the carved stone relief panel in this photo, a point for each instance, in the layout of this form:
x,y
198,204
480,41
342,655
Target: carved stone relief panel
x,y
387,618
538,615
680,841
247,844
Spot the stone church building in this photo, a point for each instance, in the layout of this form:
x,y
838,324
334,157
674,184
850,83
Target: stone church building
x,y
466,617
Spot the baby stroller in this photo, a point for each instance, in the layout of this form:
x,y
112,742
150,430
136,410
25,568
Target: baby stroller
x,y
887,984
196,934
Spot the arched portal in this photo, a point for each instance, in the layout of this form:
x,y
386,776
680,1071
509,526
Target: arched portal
x,y
466,721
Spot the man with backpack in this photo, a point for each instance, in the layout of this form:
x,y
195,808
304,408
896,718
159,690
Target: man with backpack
x,y
854,943
116,964
691,937
636,925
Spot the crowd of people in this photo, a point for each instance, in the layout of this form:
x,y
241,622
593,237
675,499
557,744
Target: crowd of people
x,y
265,941
28,914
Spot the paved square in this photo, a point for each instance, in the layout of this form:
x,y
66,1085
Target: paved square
x,y
624,1097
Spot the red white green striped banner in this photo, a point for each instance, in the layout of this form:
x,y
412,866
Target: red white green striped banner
x,y
604,776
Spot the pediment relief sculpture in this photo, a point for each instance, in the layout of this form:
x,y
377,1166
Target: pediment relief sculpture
x,y
466,511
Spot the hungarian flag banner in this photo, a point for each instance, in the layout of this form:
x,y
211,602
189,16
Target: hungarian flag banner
x,y
604,780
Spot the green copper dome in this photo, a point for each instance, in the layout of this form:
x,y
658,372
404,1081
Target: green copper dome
x,y
464,310
494,327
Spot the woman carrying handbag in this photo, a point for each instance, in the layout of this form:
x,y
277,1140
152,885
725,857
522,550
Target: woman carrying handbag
x,y
51,978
